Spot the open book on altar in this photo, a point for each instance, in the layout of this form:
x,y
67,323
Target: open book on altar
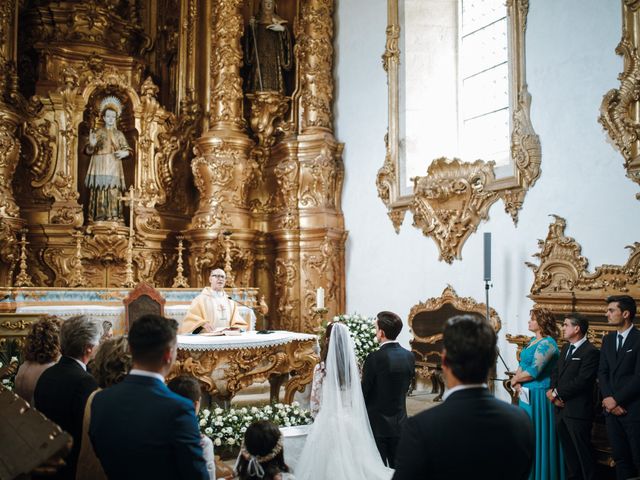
x,y
228,331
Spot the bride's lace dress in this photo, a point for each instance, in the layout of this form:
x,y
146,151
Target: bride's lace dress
x,y
340,444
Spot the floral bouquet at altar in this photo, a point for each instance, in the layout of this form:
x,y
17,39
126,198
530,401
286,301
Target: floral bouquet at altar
x,y
363,333
226,427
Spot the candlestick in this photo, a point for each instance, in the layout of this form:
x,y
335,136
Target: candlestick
x,y
320,298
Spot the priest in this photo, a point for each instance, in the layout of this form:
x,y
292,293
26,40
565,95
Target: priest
x,y
212,309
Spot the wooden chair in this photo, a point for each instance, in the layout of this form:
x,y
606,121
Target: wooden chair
x,y
427,320
31,443
142,300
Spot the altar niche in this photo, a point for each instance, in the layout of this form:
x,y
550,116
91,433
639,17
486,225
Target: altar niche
x,y
106,169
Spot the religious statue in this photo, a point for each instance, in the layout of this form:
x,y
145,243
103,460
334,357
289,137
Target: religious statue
x,y
105,177
212,309
267,50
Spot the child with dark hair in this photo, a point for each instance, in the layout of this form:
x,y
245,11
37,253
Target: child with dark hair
x,y
189,387
261,455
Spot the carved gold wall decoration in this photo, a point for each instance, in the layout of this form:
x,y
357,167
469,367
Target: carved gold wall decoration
x,y
444,212
621,106
562,273
276,186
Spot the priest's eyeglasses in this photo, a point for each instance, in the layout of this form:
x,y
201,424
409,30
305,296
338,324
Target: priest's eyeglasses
x,y
218,276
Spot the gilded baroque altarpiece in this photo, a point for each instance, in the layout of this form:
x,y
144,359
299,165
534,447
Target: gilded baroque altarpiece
x,y
246,174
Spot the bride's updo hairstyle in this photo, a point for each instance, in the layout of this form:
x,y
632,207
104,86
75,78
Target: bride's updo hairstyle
x,y
261,455
325,342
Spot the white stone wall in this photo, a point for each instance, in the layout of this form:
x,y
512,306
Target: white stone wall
x,y
570,65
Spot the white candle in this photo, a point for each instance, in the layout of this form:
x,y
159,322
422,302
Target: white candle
x,y
320,298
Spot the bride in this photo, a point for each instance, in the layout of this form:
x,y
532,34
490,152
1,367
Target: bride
x,y
340,442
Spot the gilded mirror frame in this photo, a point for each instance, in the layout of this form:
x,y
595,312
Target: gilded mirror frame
x,y
620,108
450,201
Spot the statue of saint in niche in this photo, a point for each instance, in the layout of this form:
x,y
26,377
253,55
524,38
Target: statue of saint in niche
x,y
267,50
105,177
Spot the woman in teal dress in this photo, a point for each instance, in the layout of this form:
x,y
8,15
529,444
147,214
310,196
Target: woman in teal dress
x,y
537,360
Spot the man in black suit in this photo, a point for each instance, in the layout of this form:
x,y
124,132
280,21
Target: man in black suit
x,y
571,391
139,428
62,390
471,434
619,377
386,378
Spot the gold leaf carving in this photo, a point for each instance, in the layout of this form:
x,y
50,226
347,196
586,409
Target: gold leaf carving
x,y
451,212
619,108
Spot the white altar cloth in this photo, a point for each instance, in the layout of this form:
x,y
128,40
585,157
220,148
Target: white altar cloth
x,y
249,339
115,314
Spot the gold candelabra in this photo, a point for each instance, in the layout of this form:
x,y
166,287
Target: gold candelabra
x,y
23,279
77,274
226,240
129,281
180,280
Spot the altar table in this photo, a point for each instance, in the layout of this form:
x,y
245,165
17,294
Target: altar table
x,y
226,364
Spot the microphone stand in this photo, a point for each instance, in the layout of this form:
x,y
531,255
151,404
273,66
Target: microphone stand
x,y
487,286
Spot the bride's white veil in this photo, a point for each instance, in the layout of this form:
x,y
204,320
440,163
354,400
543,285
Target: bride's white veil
x,y
340,443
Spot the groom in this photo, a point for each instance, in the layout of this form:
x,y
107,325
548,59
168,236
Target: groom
x,y
386,377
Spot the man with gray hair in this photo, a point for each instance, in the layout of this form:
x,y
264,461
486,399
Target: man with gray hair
x,y
62,390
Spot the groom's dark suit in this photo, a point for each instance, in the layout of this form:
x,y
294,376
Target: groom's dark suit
x,y
386,378
619,377
141,429
574,379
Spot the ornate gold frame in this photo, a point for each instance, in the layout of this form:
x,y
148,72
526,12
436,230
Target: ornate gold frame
x,y
449,202
620,107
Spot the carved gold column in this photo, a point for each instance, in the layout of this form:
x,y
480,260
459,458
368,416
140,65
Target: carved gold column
x,y
10,221
620,108
307,170
223,170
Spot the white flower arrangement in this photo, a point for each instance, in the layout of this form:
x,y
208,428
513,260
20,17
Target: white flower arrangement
x,y
362,331
226,427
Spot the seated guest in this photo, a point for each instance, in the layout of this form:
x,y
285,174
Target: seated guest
x,y
110,365
189,388
41,351
572,387
261,456
139,428
471,434
212,308
62,390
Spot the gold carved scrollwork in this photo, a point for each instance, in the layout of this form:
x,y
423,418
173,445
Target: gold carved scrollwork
x,y
620,106
450,212
563,270
226,93
287,308
9,154
450,201
314,54
267,112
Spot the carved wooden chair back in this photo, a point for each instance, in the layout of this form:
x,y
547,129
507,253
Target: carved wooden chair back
x,y
142,300
427,321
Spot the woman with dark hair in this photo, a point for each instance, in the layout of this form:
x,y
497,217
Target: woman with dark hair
x,y
41,350
261,454
531,381
319,373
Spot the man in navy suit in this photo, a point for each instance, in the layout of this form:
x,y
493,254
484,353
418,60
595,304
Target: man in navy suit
x,y
62,390
386,377
471,434
619,378
139,428
571,391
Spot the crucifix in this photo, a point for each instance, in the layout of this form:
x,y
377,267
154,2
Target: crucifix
x,y
131,199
